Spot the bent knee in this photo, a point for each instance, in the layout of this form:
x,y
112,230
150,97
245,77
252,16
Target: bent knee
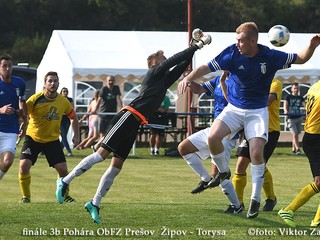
x,y
186,147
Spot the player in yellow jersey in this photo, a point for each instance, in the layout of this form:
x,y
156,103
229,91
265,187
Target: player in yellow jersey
x,y
310,144
239,180
45,110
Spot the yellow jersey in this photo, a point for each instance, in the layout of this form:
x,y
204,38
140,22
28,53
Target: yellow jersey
x,y
312,123
45,116
274,107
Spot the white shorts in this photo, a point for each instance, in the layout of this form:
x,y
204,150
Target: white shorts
x,y
200,141
8,142
253,121
93,125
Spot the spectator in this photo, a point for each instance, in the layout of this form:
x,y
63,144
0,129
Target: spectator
x,y
157,133
108,101
65,124
93,124
292,107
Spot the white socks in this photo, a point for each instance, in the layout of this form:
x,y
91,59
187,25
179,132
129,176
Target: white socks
x,y
195,163
257,173
83,166
105,184
230,192
220,161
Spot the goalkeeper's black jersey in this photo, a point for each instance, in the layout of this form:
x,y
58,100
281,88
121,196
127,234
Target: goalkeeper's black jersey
x,y
158,79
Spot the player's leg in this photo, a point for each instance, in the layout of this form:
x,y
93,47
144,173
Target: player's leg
x,y
83,166
257,138
121,142
25,180
7,151
29,154
239,179
220,129
106,181
194,149
271,200
310,144
226,185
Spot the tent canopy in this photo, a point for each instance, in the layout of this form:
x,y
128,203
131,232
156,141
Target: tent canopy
x,y
93,55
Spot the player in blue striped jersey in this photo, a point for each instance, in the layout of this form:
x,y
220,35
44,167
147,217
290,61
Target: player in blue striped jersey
x,y
252,67
12,106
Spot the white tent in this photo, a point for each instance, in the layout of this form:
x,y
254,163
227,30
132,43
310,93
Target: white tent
x,y
92,55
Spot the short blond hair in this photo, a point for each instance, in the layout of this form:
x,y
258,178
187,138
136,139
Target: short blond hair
x,y
250,28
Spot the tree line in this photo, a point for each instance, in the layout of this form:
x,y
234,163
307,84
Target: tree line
x,y
27,25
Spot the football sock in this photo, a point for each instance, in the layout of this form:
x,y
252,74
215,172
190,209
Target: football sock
x,y
195,163
268,185
228,190
304,195
220,161
239,181
1,174
25,181
317,216
105,184
257,172
83,166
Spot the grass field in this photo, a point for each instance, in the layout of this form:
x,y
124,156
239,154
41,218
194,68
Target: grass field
x,y
150,199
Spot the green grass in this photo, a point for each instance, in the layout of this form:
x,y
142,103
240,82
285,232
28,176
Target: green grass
x,y
151,194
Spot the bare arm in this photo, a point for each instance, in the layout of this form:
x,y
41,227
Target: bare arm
x,y
196,87
195,74
307,53
224,87
75,128
96,108
119,101
272,97
285,107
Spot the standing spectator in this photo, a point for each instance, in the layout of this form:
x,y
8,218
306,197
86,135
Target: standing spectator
x,y
156,134
93,124
108,101
45,110
292,107
65,124
12,105
310,144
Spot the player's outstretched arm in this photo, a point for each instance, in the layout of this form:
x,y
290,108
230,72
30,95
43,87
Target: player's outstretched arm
x,y
195,74
307,53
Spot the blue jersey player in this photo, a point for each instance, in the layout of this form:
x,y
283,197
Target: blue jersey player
x,y
252,67
12,106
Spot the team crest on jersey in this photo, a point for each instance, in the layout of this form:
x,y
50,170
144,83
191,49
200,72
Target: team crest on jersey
x,y
263,68
52,114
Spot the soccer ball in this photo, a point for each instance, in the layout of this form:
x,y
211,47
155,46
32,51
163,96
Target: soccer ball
x,y
279,35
